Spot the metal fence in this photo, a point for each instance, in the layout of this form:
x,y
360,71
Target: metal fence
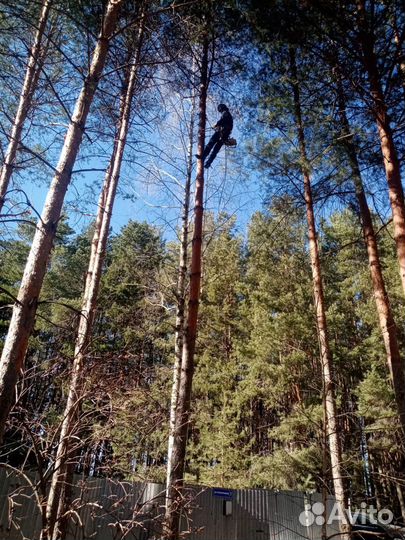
x,y
255,514
105,509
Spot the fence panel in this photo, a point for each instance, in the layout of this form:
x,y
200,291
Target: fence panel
x,y
105,509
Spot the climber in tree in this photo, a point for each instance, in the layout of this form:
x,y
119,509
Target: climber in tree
x,y
223,129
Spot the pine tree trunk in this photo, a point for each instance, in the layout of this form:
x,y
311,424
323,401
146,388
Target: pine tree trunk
x,y
325,460
335,449
399,42
32,73
23,317
176,473
66,449
385,316
181,293
390,156
401,500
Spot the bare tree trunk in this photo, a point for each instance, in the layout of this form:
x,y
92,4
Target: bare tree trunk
x,y
385,316
23,317
390,156
32,73
401,500
176,473
181,292
324,530
399,42
335,448
66,448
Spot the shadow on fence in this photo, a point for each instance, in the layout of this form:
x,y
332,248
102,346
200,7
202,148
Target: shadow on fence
x,y
105,509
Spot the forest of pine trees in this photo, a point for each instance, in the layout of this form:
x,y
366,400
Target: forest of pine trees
x,y
240,326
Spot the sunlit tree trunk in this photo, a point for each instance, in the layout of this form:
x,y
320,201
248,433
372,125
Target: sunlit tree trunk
x,y
176,473
335,449
385,316
32,73
23,317
399,42
66,448
389,152
181,292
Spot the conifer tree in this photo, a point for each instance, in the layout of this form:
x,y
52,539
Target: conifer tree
x,y
181,290
34,65
66,446
386,319
176,474
389,151
335,447
23,318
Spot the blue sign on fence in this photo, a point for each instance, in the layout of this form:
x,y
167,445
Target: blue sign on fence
x,y
223,493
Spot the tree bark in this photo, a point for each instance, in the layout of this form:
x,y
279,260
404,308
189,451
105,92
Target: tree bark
x,y
32,73
401,500
389,152
66,450
181,293
176,473
399,42
335,449
23,317
325,467
385,316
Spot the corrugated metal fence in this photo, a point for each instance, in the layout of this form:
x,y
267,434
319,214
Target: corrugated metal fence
x,y
105,509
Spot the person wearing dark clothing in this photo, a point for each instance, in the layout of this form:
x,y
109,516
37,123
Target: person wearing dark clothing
x,y
223,129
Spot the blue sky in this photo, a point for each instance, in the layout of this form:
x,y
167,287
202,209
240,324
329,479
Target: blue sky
x,y
231,186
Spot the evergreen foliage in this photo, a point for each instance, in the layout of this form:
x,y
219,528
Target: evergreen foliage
x,y
257,411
